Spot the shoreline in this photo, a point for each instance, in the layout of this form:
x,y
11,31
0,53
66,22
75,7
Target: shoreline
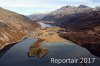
x,y
6,47
13,42
92,48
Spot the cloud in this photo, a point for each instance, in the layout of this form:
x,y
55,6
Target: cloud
x,y
91,3
45,3
16,3
29,6
83,1
28,3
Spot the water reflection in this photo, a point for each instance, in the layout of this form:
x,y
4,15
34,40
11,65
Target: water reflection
x,y
17,55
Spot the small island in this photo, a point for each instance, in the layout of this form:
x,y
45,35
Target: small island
x,y
44,35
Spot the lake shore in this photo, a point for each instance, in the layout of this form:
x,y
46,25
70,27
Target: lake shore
x,y
9,45
87,41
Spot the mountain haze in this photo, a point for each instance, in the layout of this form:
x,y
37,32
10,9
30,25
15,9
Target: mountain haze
x,y
36,16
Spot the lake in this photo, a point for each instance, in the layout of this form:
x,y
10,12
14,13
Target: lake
x,y
44,25
17,54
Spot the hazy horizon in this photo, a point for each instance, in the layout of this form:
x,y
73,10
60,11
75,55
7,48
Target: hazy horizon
x,y
27,7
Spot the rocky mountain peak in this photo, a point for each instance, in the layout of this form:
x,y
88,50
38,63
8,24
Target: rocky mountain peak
x,y
96,8
68,7
83,6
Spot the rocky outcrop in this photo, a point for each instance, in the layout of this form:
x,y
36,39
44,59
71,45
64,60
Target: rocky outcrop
x,y
13,27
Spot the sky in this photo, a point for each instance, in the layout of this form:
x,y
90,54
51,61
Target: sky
x,y
27,7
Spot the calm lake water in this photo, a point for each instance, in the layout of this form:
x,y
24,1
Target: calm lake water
x,y
44,25
17,55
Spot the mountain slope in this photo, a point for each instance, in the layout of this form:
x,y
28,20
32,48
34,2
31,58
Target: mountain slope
x,y
66,10
13,26
81,25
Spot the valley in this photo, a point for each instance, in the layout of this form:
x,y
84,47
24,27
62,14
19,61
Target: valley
x,y
69,31
33,51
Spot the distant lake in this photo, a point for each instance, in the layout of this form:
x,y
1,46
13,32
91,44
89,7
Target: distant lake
x,y
44,25
17,54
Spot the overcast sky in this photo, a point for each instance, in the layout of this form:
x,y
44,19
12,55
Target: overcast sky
x,y
27,7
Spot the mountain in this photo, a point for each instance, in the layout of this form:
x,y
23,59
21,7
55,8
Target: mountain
x,y
36,16
13,27
81,25
81,18
66,10
83,6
